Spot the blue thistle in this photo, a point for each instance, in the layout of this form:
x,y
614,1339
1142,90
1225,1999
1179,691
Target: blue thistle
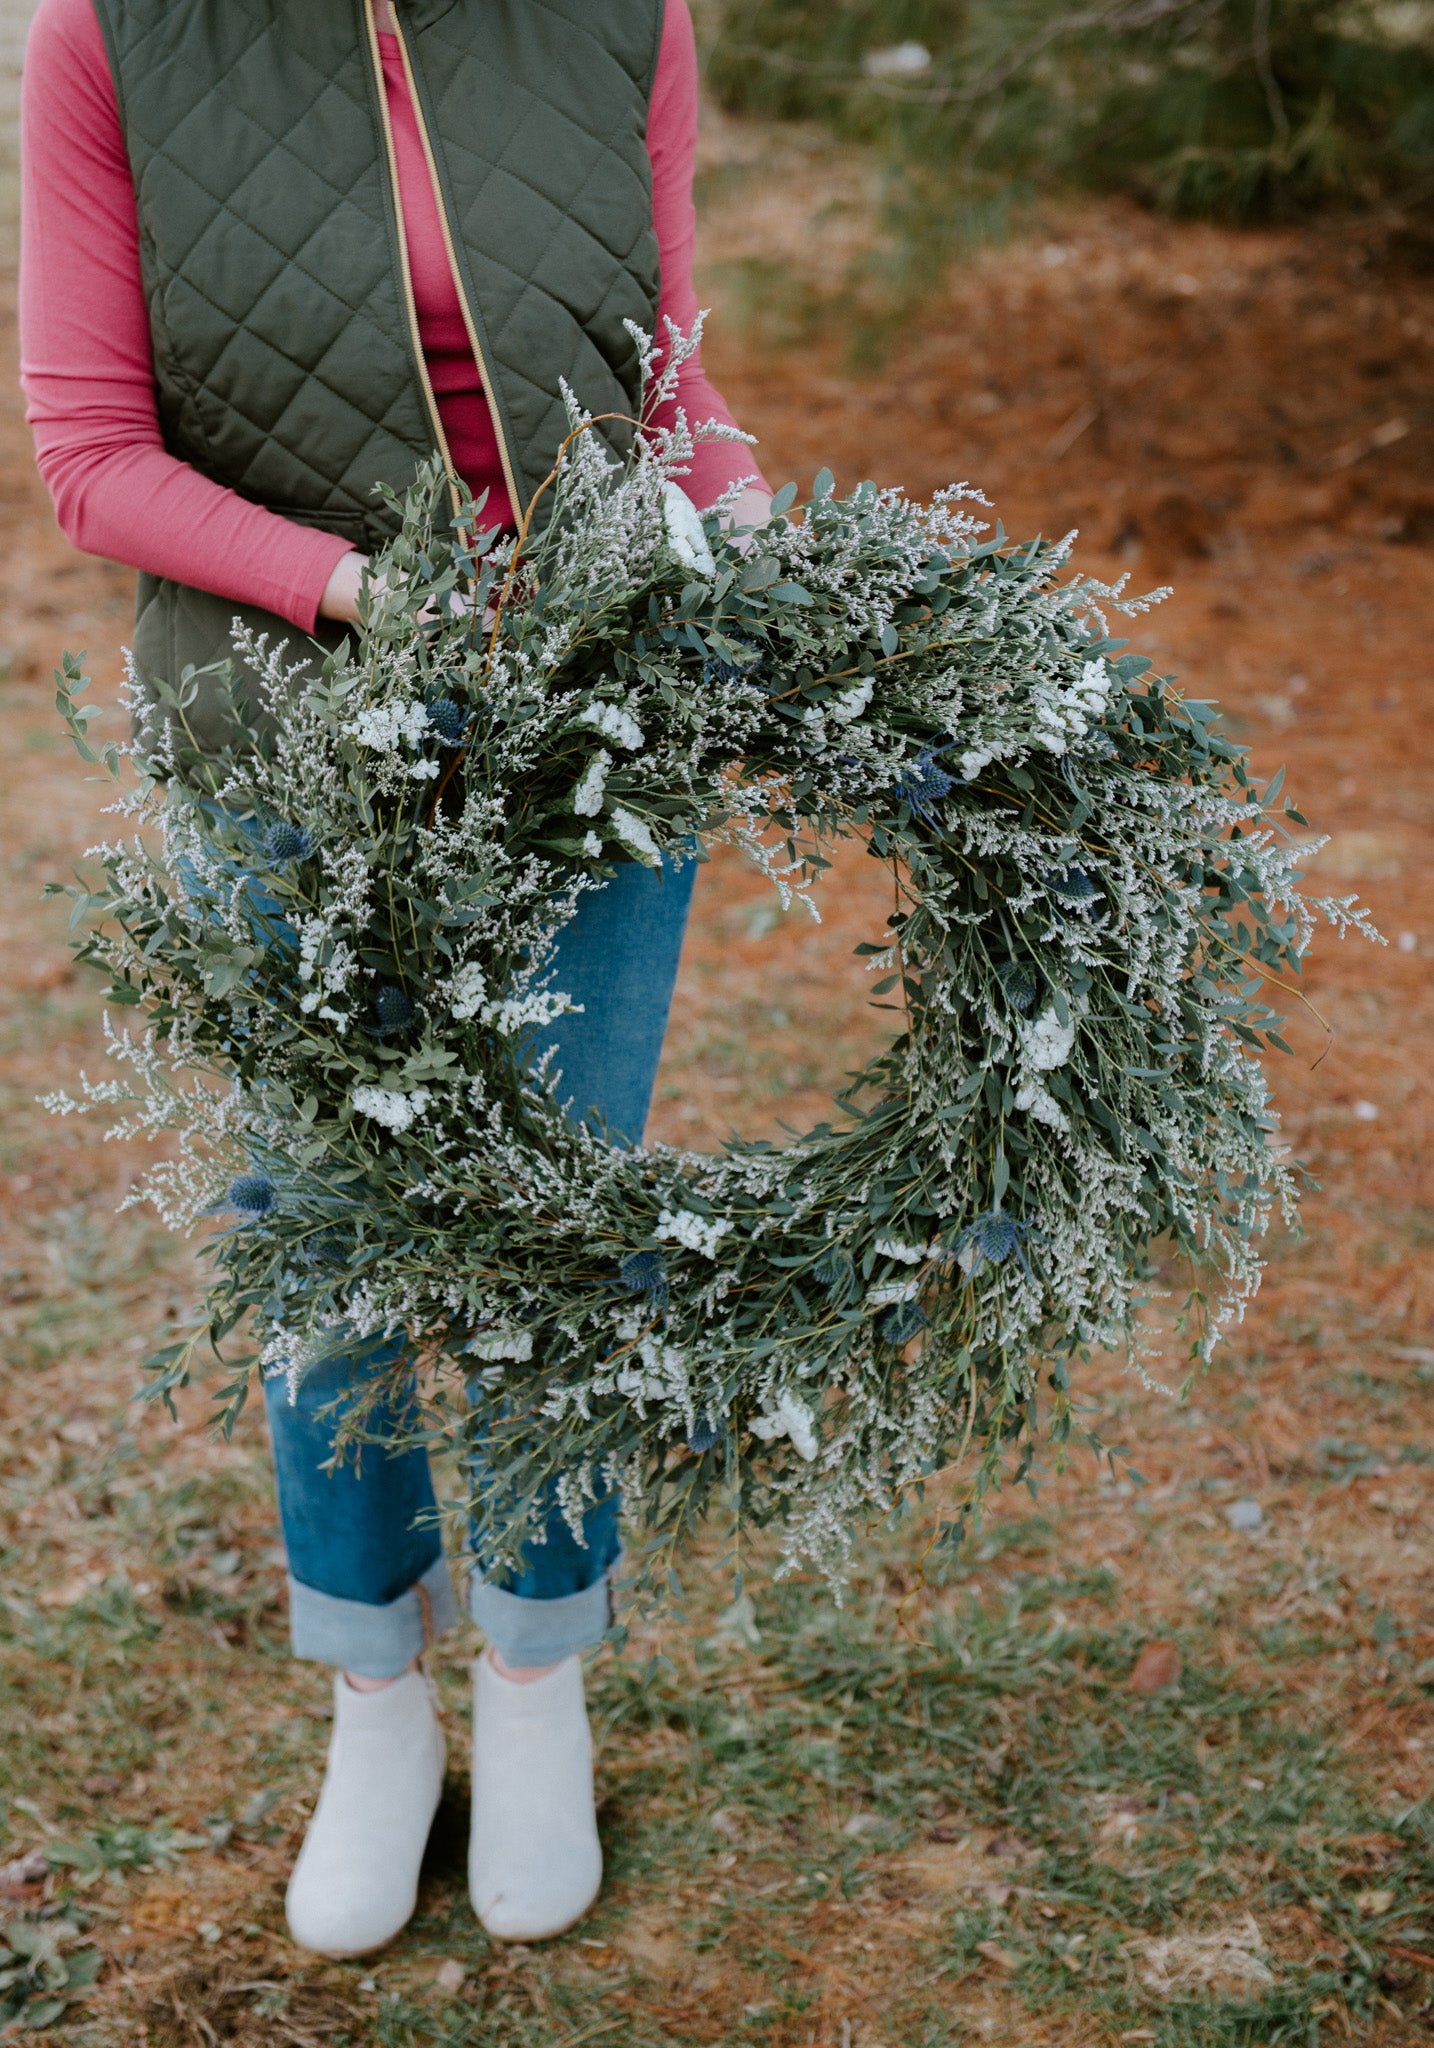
x,y
393,1007
1073,885
1022,985
645,1272
834,1271
719,668
448,719
285,842
903,1322
705,1435
252,1194
923,784
994,1238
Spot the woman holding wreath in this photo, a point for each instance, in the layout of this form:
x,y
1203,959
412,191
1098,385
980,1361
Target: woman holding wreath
x,y
275,253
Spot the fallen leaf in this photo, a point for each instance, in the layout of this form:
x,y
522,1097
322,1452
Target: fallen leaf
x,y
1229,1959
1008,1848
1372,1904
994,1953
862,1824
71,1593
25,1871
1157,1667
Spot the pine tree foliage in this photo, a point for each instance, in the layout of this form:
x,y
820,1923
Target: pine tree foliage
x,y
1246,110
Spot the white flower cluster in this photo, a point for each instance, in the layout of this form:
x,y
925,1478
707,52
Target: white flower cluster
x,y
467,991
1047,1042
533,1010
851,704
587,797
790,1417
685,534
385,728
1066,715
327,957
894,1248
682,1227
491,1345
636,837
613,723
652,1371
391,1107
1039,1102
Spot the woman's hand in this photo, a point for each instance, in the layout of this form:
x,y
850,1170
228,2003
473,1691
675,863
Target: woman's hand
x,y
753,508
341,592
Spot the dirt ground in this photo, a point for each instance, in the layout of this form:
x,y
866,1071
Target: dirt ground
x,y
1129,1722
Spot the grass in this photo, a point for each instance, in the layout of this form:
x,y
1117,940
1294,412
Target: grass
x,y
912,1834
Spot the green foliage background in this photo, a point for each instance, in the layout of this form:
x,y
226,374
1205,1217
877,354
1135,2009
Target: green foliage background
x,y
1244,110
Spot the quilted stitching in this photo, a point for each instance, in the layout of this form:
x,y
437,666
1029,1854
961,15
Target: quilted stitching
x,y
543,124
281,340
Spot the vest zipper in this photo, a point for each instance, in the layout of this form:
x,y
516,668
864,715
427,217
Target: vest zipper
x,y
415,338
469,323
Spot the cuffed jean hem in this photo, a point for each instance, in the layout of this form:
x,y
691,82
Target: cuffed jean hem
x,y
372,1641
525,1631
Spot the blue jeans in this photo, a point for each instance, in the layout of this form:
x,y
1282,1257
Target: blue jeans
x,y
368,1582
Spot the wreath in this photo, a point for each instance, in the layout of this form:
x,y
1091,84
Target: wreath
x,y
337,940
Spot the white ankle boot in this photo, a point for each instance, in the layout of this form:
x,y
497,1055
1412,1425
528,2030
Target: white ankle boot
x,y
534,1860
356,1881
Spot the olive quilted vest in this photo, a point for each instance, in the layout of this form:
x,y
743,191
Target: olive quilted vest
x,y
286,350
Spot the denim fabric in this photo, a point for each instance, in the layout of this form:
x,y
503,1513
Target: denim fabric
x,y
367,1582
380,1641
618,958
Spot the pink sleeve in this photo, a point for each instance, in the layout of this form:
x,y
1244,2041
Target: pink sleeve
x,y
672,147
85,354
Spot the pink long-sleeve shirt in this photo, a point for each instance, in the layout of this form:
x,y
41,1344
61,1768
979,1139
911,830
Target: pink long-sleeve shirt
x,y
85,361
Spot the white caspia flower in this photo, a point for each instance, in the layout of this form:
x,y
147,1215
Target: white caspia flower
x,y
657,1371
1047,1042
788,1417
1041,1104
893,1248
391,1107
387,727
1094,687
851,703
613,723
635,836
502,1343
528,1012
685,533
467,990
681,1226
592,845
587,797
